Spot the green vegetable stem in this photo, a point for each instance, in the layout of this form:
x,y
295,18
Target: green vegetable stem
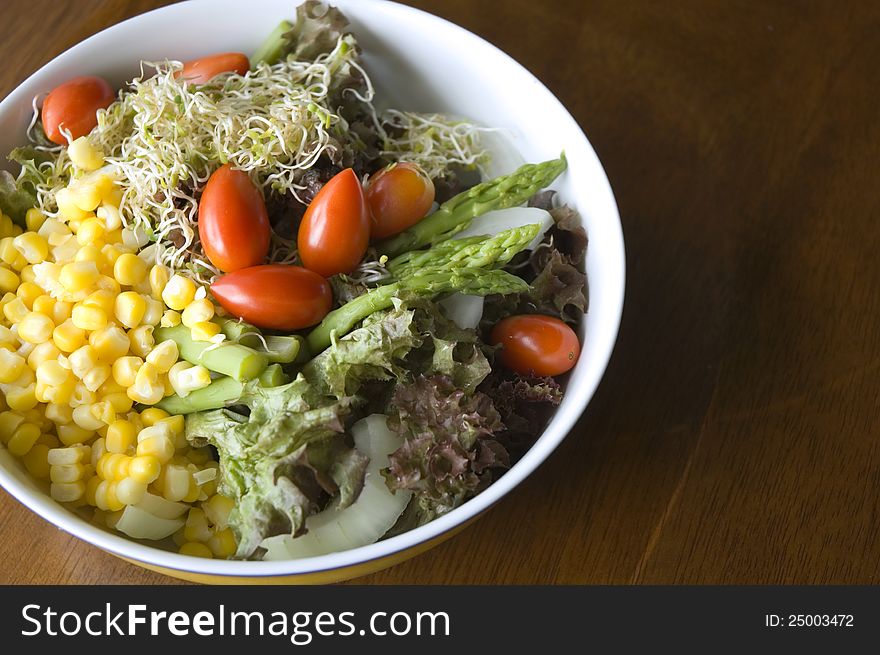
x,y
428,282
272,49
473,252
235,360
222,392
456,213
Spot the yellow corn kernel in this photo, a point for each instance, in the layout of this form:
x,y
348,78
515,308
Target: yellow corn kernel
x,y
103,298
90,254
9,423
105,497
113,466
15,310
170,318
159,276
32,247
6,226
35,461
90,232
68,210
163,355
186,378
178,292
130,308
21,399
113,196
85,418
121,437
67,472
129,269
204,331
29,273
196,527
36,328
110,216
119,401
79,276
147,388
77,454
198,311
195,549
43,352
11,366
53,373
9,281
125,370
82,360
110,343
130,491
8,253
71,434
84,155
222,543
29,292
44,305
8,337
108,289
60,414
34,219
89,317
61,311
67,337
110,253
158,445
96,376
144,468
23,439
153,312
114,237
82,396
141,340
91,487
152,416
176,482
176,424
67,492
217,509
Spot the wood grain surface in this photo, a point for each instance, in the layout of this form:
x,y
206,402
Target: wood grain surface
x,y
734,438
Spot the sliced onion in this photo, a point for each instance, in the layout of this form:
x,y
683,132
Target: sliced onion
x,y
140,524
365,521
498,220
465,311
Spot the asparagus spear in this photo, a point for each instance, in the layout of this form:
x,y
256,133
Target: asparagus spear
x,y
428,282
232,359
222,392
473,252
273,47
456,213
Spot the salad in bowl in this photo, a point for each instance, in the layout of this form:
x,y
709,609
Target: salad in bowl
x,y
249,313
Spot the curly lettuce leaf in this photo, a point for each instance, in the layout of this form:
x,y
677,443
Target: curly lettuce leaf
x,y
14,199
449,452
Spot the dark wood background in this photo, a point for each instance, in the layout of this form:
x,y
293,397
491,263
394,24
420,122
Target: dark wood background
x,y
735,436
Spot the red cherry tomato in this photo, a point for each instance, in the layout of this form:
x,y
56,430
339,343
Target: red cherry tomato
x,y
233,223
199,71
335,230
74,105
274,296
399,195
533,344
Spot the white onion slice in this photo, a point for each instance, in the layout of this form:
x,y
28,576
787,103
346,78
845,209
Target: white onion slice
x,y
498,220
365,521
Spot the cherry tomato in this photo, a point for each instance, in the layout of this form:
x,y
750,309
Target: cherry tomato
x,y
199,71
274,296
533,344
399,195
233,223
335,230
74,105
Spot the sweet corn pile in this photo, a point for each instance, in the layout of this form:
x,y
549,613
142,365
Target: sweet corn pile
x,y
80,303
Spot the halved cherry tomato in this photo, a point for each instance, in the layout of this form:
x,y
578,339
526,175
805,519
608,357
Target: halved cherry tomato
x,y
233,222
335,230
533,344
199,71
399,196
274,296
74,105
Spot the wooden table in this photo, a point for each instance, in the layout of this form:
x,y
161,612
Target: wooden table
x,y
735,436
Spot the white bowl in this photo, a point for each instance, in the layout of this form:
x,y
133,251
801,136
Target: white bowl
x,y
418,62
